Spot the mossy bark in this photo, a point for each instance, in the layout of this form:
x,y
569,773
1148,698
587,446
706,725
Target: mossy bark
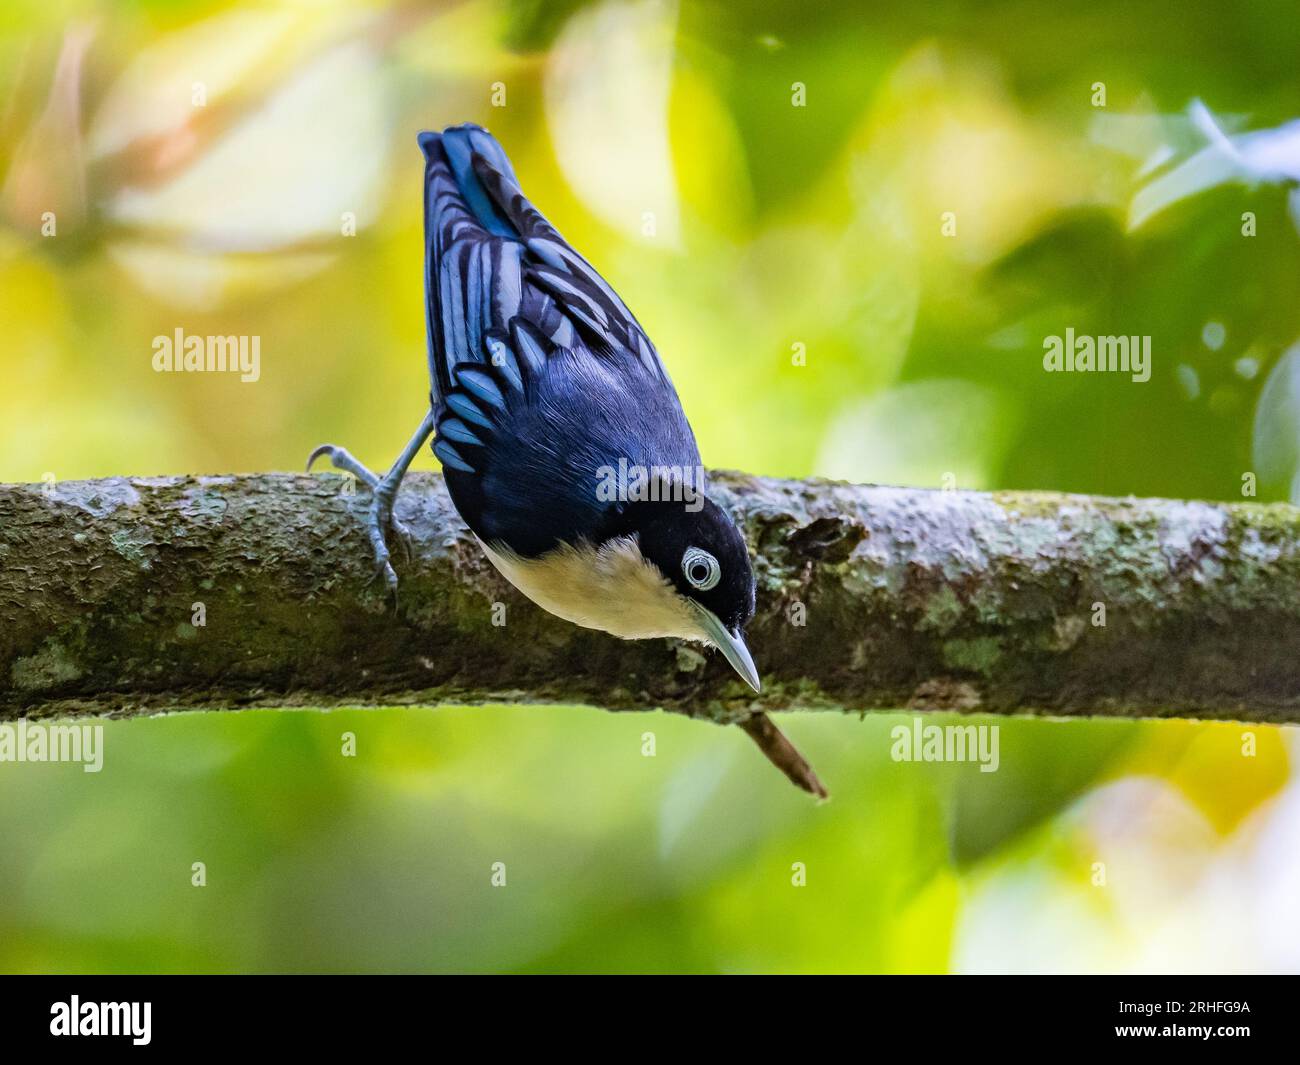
x,y
868,597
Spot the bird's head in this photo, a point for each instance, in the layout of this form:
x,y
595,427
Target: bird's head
x,y
703,557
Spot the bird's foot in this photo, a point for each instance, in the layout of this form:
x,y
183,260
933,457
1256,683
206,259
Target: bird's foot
x,y
380,521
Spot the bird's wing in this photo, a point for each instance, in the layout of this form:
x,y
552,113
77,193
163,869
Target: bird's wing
x,y
540,372
556,268
490,256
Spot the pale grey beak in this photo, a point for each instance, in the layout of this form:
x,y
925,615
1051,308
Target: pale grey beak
x,y
731,644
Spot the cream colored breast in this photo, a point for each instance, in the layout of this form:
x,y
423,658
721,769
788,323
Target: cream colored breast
x,y
611,588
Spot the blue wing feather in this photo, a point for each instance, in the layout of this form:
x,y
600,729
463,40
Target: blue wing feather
x,y
540,374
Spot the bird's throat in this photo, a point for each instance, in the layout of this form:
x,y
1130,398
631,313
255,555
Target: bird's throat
x,y
610,587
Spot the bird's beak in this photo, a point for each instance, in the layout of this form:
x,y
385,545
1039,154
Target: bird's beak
x,y
731,644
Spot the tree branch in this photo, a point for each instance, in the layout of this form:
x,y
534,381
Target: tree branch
x,y
867,598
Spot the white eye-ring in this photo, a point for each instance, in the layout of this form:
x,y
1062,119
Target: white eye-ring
x,y
701,568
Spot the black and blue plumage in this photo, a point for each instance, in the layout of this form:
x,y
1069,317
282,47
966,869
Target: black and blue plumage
x,y
542,379
577,383
542,382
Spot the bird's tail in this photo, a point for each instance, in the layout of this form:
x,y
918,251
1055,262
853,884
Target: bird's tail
x,y
449,165
490,255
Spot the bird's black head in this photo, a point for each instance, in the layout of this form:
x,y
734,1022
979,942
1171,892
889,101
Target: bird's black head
x,y
702,554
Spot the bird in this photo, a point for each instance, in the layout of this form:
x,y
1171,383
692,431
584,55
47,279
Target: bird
x,y
562,440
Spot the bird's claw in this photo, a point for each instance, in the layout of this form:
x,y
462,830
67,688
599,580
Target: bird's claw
x,y
384,570
403,537
342,459
317,452
382,524
380,521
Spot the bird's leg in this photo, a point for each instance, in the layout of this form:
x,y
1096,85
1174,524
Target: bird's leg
x,y
383,491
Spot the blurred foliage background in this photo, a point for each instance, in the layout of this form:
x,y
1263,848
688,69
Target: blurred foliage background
x,y
251,168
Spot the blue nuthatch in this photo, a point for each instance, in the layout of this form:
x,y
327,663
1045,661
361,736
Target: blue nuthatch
x,y
563,443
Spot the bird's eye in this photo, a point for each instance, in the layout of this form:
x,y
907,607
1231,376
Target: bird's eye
x,y
701,568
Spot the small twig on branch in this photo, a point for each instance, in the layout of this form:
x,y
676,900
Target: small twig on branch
x,y
783,754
